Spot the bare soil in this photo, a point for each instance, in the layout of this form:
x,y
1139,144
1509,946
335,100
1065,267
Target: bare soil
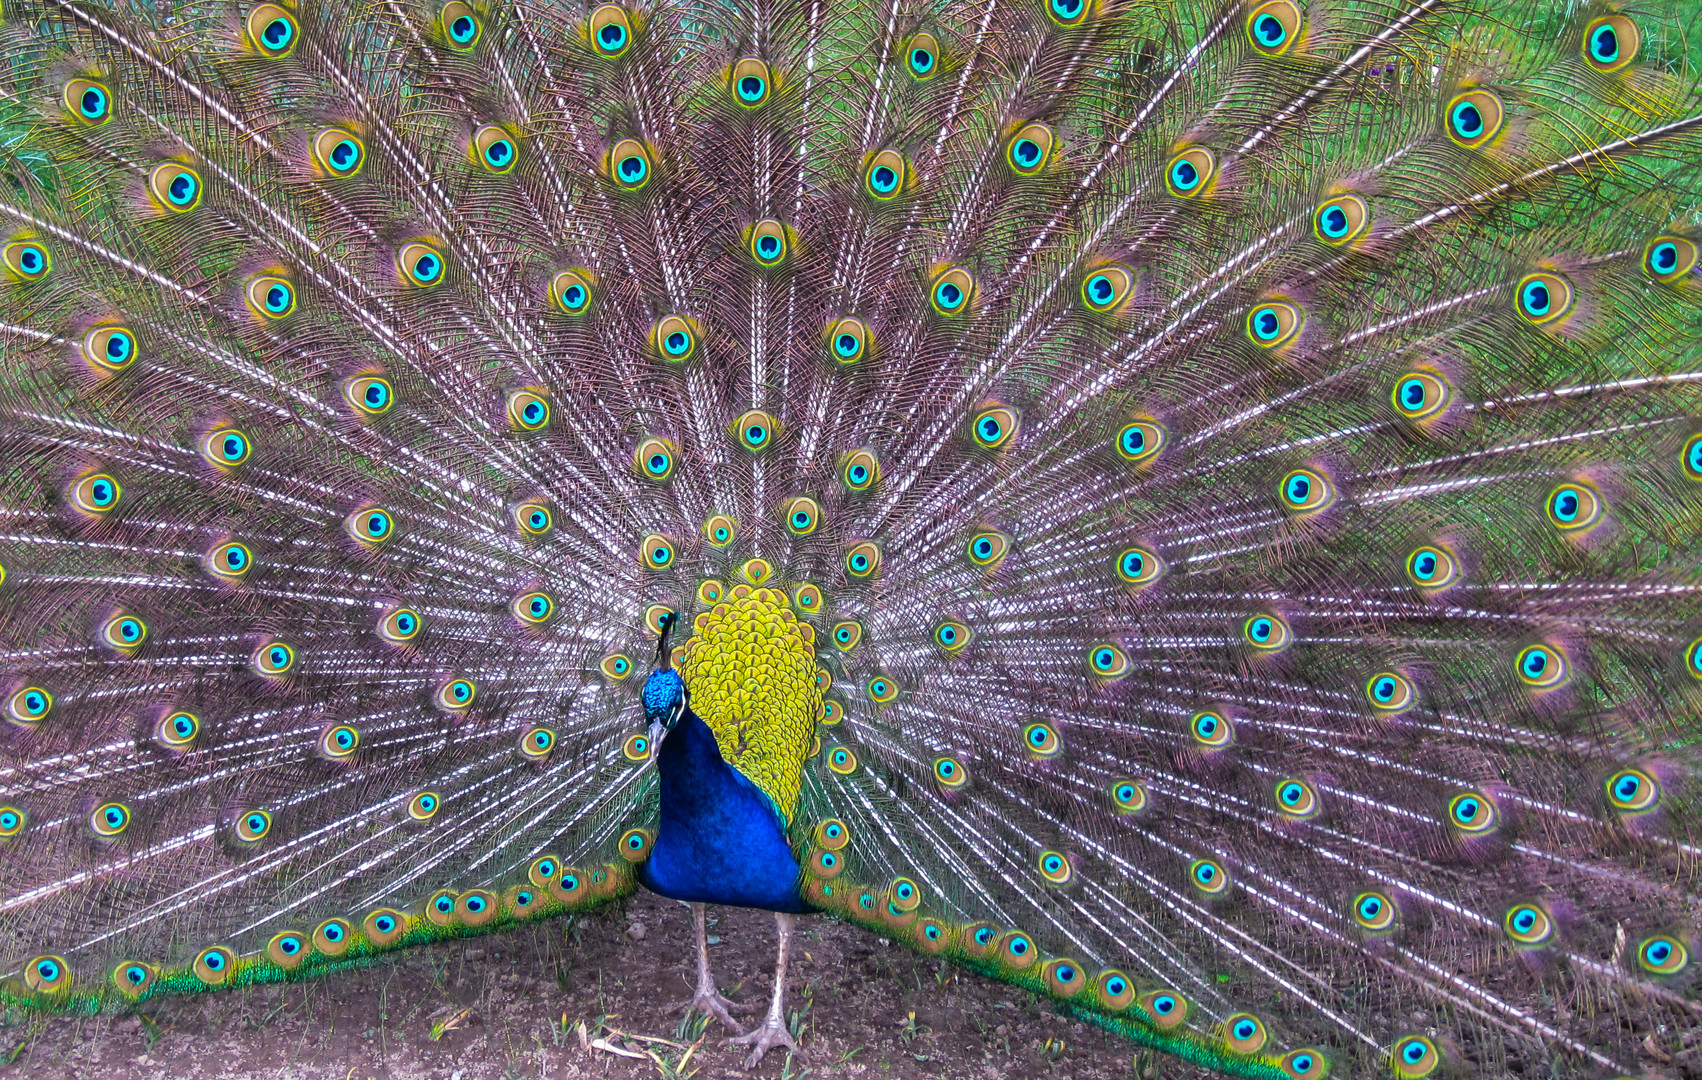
x,y
528,1004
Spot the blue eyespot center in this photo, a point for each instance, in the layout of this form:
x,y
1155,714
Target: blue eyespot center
x,y
949,295
1269,30
632,168
612,36
1664,257
277,34
921,61
1184,175
1604,44
751,88
1468,121
1536,299
345,155
462,29
93,103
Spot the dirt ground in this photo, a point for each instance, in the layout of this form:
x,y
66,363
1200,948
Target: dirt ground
x,y
528,1004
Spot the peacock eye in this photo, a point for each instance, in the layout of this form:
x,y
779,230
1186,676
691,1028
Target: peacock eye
x,y
882,690
610,30
1663,954
1297,800
421,265
657,552
110,349
986,550
992,428
951,291
1633,791
629,165
339,153
270,296
950,773
89,101
922,56
1611,43
1266,633
751,82
720,530
96,494
1138,567
537,743
456,695
756,430
528,410
253,826
1472,813
29,706
1668,259
533,519
1306,491
371,395
1244,1033
1209,876
495,149
1273,26
1528,924
847,635
768,244
1275,323
1573,508
1129,796
1030,149
884,174
110,819
176,187
1341,220
860,471
801,516
1374,911
533,609
1107,288
177,730
1106,661
848,340
274,659
1543,297
273,31
28,259
1188,174
1542,666
655,459
401,626
460,25
1211,729
1420,395
124,632
675,339
231,560
842,761
1055,868
1041,740
951,636
424,805
1473,118
570,291
1432,567
1139,441
1390,693
370,526
1068,13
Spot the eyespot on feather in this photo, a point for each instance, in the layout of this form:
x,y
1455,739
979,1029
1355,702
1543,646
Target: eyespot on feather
x,y
629,165
1472,119
750,82
609,31
1168,1009
952,291
338,153
1190,172
272,31
460,25
1273,27
28,260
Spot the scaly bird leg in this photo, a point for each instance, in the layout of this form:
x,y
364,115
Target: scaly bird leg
x,y
708,998
772,1031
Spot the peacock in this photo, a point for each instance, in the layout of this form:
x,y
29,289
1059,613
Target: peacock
x,y
1189,507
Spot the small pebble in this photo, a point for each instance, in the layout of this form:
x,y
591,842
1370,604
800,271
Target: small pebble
x,y
474,954
636,931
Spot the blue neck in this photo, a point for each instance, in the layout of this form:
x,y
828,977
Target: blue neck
x,y
719,840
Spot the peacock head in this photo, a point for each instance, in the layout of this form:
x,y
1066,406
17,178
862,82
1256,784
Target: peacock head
x,y
665,693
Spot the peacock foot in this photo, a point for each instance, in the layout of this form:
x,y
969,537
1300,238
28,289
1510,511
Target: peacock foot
x,y
709,1001
765,1037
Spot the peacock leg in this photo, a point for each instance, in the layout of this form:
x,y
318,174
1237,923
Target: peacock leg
x,y
707,997
772,1031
